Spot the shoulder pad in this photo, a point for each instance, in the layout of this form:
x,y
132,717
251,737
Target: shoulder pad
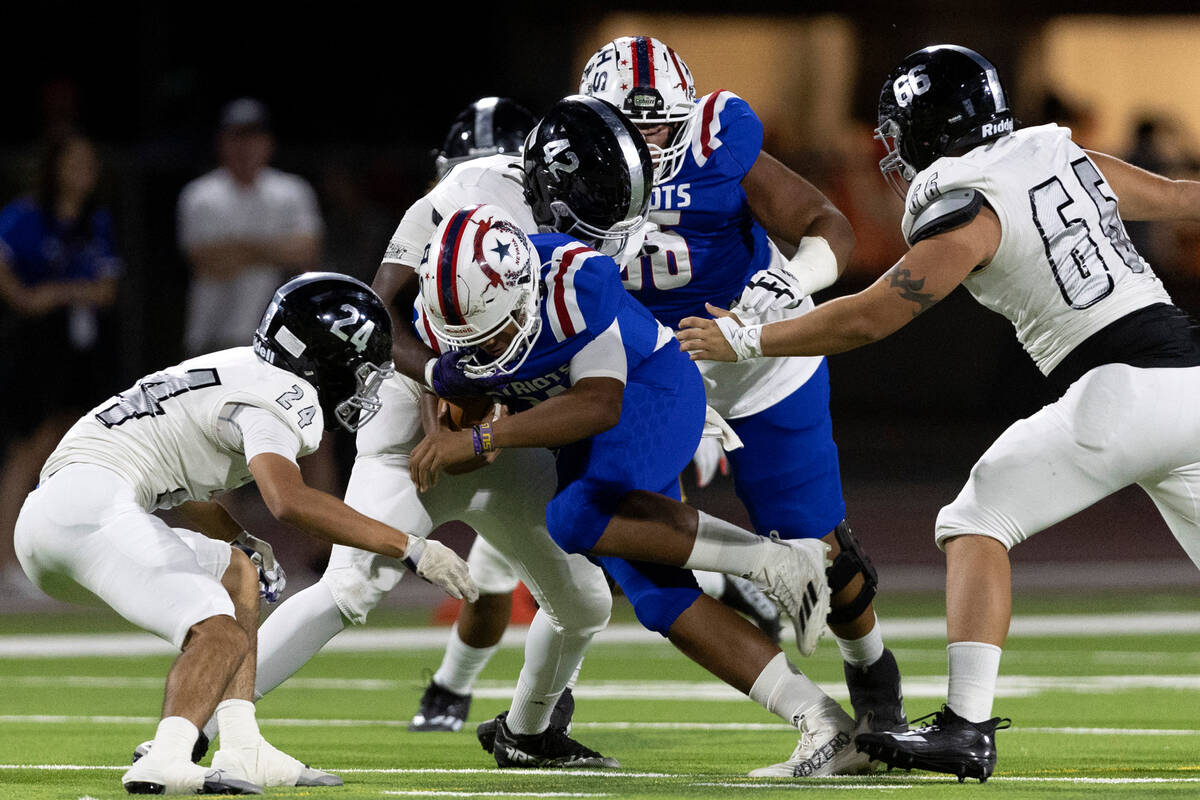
x,y
726,120
290,398
579,293
947,212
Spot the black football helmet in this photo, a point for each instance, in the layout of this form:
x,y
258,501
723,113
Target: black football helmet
x,y
588,173
333,331
488,126
943,100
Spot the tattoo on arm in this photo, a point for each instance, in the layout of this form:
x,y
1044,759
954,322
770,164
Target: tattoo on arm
x,y
902,280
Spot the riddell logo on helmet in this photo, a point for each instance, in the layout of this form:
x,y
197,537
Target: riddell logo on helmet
x,y
993,128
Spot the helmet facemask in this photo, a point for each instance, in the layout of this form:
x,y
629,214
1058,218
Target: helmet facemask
x,y
360,408
896,171
612,241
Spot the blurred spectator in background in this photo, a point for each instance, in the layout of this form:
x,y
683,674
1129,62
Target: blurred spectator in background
x,y
58,275
244,228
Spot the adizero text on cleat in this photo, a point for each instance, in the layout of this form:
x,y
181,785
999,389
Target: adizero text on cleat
x,y
949,744
826,747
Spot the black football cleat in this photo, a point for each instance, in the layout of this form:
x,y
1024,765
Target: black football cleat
x,y
742,595
440,710
949,744
199,749
551,748
875,695
560,718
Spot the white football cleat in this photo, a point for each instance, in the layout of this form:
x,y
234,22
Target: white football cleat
x,y
149,776
269,766
826,747
795,577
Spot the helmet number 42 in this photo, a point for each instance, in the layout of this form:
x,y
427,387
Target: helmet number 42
x,y
360,337
911,84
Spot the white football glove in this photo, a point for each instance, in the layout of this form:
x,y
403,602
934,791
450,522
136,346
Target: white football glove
x,y
271,577
812,268
710,457
774,287
442,567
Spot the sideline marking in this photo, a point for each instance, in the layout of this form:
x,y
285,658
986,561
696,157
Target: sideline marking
x,y
365,640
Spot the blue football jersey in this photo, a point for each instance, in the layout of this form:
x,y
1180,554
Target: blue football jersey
x,y
708,244
581,297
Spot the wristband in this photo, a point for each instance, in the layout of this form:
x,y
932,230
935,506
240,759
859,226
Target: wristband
x,y
414,551
814,265
481,436
429,374
746,340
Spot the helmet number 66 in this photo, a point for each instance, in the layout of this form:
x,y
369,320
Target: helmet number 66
x,y
360,337
914,82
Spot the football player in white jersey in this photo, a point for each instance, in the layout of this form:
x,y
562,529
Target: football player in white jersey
x,y
505,503
1031,225
178,438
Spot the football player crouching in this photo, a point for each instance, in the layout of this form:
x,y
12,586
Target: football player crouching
x,y
177,438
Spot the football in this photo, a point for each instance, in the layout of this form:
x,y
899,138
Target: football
x,y
466,412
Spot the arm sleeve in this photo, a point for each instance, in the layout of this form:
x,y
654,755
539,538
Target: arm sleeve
x,y
252,431
603,357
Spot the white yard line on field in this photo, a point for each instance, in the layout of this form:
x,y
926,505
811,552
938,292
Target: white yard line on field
x,y
923,687
362,640
63,719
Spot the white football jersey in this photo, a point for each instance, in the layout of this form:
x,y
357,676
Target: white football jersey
x,y
495,180
161,435
1065,267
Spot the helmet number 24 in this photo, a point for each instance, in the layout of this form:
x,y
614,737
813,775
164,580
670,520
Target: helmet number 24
x,y
360,337
911,84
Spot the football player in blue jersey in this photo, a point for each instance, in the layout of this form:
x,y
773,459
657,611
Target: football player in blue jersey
x,y
717,196
544,325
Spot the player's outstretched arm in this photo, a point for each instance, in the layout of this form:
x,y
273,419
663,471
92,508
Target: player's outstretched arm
x,y
790,207
397,285
322,515
590,407
210,518
1144,195
925,275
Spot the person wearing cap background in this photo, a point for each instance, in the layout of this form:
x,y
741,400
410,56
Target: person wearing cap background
x,y
243,227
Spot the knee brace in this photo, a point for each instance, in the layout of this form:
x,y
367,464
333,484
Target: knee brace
x,y
851,561
658,608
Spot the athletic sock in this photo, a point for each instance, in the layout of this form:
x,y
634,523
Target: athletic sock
x,y
724,547
174,740
974,667
461,664
552,659
786,693
238,727
864,651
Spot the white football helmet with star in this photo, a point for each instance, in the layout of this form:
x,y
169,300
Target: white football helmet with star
x,y
480,276
653,86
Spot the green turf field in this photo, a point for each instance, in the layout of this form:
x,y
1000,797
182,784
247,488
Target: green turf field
x,y
1107,712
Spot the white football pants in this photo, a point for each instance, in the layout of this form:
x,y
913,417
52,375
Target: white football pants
x,y
81,536
1115,426
504,502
